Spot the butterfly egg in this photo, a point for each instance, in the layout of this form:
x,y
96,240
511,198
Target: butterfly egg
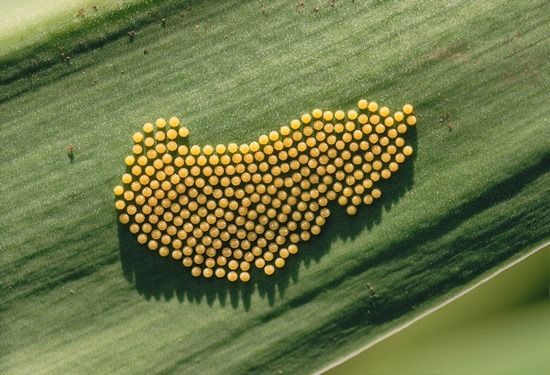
x,y
398,116
376,193
373,138
152,245
269,269
401,128
366,129
244,148
244,266
187,261
372,107
124,218
411,120
174,122
118,190
407,150
160,123
317,113
220,273
148,127
352,114
195,150
183,150
363,119
306,118
164,251
328,115
384,111
129,160
183,132
171,134
394,167
368,200
408,109
362,104
131,210
196,271
252,147
232,148
273,136
399,142
351,210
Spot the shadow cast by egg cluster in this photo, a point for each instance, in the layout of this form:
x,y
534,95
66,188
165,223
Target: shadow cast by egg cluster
x,y
160,278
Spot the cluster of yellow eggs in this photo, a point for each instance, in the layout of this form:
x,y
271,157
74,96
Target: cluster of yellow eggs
x,y
223,210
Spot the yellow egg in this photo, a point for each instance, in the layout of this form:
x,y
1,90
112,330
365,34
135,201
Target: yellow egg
x,y
351,210
269,269
263,140
120,204
232,276
207,273
174,121
352,114
148,127
244,276
384,111
339,115
244,148
172,134
196,271
232,148
317,113
137,137
208,150
398,116
254,146
362,104
273,136
408,150
129,160
183,132
373,106
149,142
124,219
407,109
118,190
411,120
161,123
328,115
195,150
367,199
279,263
294,124
306,118
285,130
